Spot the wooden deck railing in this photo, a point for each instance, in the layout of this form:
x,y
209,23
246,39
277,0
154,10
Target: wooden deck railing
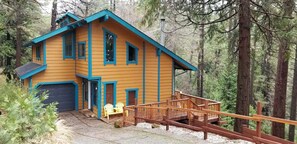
x,y
199,115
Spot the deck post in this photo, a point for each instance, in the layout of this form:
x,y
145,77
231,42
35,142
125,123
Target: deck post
x,y
136,112
205,119
124,116
167,115
188,112
259,123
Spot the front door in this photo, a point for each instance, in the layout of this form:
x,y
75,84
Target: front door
x,y
94,94
131,97
109,94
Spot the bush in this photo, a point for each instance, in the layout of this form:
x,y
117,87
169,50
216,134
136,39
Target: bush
x,y
24,115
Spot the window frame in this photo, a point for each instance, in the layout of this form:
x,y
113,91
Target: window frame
x,y
38,53
72,46
114,91
127,54
78,47
105,31
131,90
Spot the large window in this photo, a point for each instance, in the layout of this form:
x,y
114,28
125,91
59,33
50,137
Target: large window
x,y
68,46
109,47
132,54
81,50
37,53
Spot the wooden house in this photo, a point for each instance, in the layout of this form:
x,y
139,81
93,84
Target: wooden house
x,y
87,63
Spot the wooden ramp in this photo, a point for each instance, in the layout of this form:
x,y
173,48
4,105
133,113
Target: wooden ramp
x,y
201,115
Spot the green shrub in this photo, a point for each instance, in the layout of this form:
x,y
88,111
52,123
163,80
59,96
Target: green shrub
x,y
24,116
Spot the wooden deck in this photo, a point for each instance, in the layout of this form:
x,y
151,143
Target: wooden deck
x,y
199,114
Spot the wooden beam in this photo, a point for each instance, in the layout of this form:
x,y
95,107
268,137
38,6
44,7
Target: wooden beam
x,y
174,123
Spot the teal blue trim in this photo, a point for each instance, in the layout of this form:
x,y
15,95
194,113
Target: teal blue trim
x,y
99,98
50,34
82,76
95,16
109,14
127,54
105,31
83,96
150,40
33,72
68,14
173,78
114,91
44,52
143,71
72,33
127,94
79,54
90,50
159,61
74,44
63,82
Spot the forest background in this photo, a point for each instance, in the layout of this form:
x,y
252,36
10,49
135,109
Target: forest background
x,y
245,50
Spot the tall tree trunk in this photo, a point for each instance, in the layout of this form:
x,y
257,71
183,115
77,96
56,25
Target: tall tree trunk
x,y
18,39
266,70
279,105
293,100
253,52
243,78
201,56
54,15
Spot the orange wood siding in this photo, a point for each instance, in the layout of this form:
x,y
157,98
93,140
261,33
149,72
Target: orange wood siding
x,y
151,75
57,68
26,83
82,64
40,61
165,77
127,76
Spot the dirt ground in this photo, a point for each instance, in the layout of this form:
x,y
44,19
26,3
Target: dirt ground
x,y
92,131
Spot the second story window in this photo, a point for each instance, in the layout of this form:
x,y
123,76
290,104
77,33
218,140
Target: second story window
x,y
132,54
81,50
37,53
68,47
109,47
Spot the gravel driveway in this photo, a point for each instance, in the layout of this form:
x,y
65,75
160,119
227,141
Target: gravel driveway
x,y
93,131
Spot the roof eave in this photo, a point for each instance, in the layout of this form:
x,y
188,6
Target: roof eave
x,y
33,72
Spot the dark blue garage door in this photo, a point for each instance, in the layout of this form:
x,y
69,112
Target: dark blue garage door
x,y
64,94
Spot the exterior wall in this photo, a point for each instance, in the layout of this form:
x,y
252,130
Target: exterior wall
x,y
151,75
165,77
82,64
40,61
57,68
127,76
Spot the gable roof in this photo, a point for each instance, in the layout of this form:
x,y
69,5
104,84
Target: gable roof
x,y
106,14
68,14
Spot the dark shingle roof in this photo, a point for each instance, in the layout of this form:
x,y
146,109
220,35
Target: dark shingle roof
x,y
24,69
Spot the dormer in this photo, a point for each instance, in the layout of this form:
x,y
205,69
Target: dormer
x,y
66,19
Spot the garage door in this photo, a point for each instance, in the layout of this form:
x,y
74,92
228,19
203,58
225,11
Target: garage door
x,y
64,94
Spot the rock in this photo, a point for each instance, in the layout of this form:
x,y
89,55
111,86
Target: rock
x,y
155,125
118,124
